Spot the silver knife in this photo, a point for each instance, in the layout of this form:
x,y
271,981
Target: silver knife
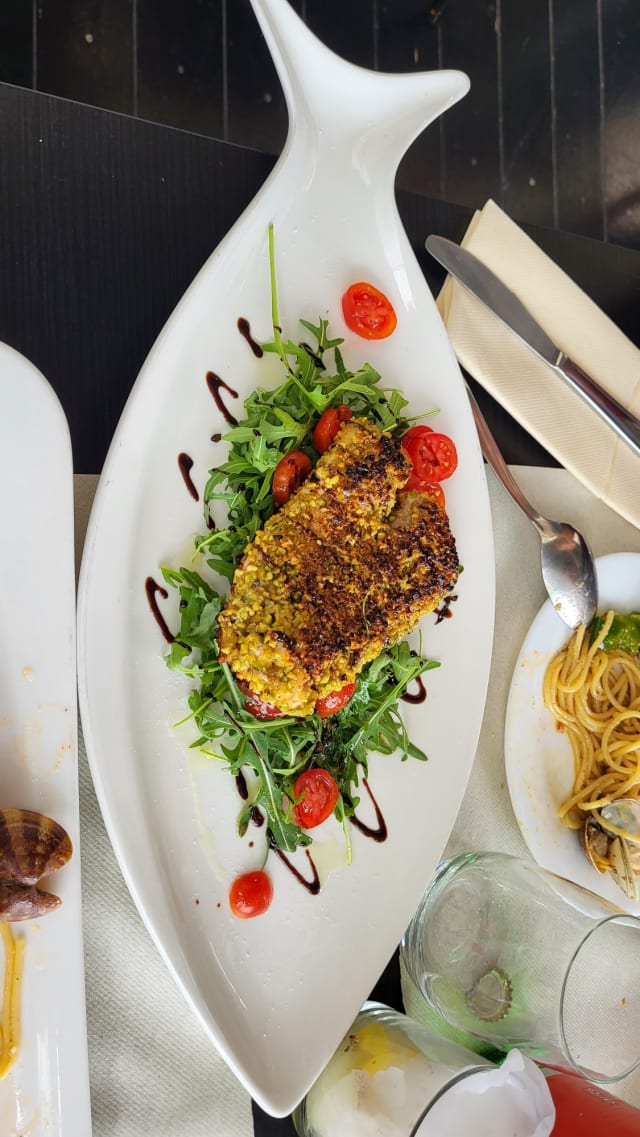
x,y
488,288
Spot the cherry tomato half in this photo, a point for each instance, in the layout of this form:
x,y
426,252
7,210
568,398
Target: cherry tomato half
x,y
289,475
318,792
328,426
250,895
257,706
433,455
368,312
431,489
334,702
416,432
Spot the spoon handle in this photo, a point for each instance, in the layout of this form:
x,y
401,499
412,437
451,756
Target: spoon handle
x,y
492,453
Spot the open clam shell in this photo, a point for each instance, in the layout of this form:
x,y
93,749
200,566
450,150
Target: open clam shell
x,y
25,902
622,868
622,819
609,849
31,846
596,845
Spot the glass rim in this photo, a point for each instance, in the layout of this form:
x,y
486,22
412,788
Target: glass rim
x,y
460,1077
584,1071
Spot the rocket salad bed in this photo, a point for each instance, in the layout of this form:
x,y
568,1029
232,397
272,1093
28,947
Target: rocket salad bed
x,y
279,749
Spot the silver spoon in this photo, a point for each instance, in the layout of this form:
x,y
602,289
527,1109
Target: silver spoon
x,y
568,570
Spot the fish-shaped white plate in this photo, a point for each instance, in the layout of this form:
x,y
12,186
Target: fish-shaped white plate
x,y
46,1092
277,993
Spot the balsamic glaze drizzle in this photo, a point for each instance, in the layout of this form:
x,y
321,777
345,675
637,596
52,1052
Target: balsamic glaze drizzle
x,y
185,462
418,696
257,818
151,587
245,331
215,383
444,611
313,885
380,833
314,357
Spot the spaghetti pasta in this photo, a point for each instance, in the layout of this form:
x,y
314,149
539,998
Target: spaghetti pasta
x,y
594,696
10,1022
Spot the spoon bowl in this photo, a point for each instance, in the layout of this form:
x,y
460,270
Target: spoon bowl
x,y
568,571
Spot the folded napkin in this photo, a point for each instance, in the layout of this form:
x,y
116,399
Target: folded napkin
x,y
529,389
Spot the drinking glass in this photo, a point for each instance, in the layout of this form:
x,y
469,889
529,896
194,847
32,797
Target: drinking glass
x,y
518,957
392,1077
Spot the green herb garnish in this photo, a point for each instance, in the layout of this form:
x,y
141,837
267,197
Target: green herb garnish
x,y
278,750
623,634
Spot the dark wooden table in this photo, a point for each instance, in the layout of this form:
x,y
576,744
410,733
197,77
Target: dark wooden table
x,y
104,222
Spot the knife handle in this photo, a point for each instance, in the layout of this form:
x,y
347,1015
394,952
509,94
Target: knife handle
x,y
626,425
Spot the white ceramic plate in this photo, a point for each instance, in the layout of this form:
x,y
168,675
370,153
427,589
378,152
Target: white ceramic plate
x,y
47,1090
538,757
277,993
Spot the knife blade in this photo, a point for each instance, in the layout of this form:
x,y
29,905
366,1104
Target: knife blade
x,y
499,299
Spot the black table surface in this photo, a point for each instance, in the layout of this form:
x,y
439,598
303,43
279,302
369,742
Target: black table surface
x,y
104,222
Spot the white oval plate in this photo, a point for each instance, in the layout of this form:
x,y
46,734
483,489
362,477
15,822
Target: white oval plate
x,y
538,758
47,1090
277,993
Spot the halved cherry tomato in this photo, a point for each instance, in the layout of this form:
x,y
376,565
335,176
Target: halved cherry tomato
x,y
416,432
433,455
250,895
328,426
257,706
368,312
431,489
334,702
289,475
318,792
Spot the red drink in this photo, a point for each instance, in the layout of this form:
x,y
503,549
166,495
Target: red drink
x,y
585,1110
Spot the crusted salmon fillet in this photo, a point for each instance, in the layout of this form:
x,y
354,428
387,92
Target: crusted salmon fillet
x,y
346,567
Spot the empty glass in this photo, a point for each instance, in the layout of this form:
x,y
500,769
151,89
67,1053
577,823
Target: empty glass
x,y
520,958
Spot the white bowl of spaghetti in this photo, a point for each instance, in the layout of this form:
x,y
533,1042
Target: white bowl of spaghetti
x,y
566,748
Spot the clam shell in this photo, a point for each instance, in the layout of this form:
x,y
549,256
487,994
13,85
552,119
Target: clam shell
x,y
622,870
31,846
622,818
596,845
24,902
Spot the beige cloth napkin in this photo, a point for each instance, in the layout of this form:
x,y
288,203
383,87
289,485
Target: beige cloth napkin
x,y
528,388
486,819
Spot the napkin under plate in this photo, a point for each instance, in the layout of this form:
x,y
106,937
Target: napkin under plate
x,y
527,387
